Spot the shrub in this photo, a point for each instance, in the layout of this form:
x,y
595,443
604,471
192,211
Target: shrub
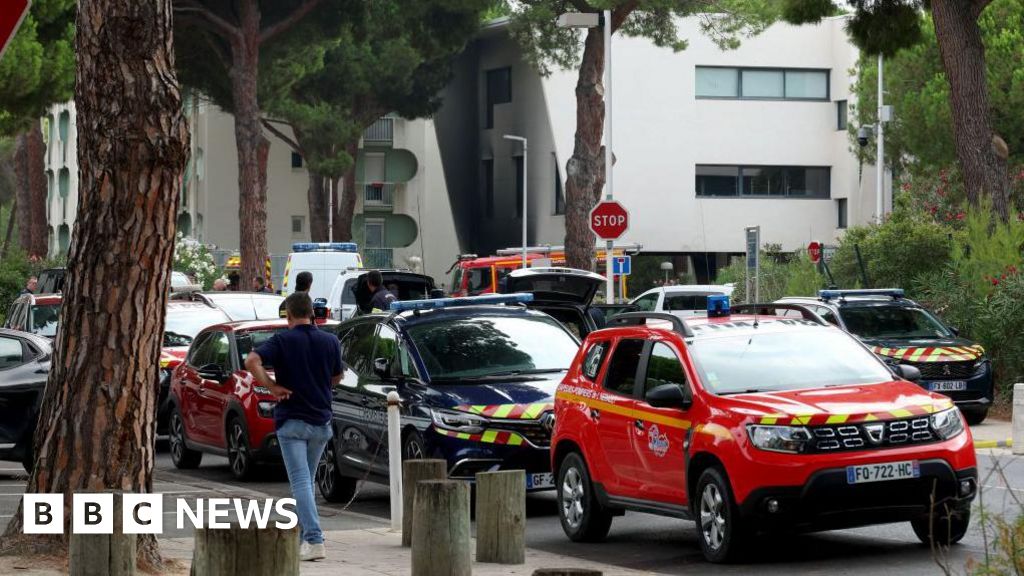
x,y
192,257
781,275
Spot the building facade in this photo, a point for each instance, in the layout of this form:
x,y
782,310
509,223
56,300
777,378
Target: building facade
x,y
707,142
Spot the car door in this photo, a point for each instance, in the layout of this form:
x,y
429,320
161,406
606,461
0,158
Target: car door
x,y
212,400
373,392
615,417
21,381
188,388
659,433
352,430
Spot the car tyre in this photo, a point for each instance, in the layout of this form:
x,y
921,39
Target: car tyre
x,y
582,517
721,531
413,447
948,529
240,457
182,457
975,416
333,486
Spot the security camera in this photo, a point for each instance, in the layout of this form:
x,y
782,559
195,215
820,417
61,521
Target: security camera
x,y
863,133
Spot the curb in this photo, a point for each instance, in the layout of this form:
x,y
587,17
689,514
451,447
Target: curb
x,y
984,444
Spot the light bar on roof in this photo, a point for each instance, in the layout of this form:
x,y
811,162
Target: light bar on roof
x,y
437,303
325,247
895,293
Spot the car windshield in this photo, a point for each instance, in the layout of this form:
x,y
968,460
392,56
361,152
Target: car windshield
x,y
786,360
44,319
894,322
481,347
248,341
181,327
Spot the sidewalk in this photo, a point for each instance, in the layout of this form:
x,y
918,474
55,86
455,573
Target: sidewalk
x,y
993,434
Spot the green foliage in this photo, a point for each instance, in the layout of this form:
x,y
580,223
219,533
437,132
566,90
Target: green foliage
x,y
38,67
14,272
781,275
192,257
875,26
987,250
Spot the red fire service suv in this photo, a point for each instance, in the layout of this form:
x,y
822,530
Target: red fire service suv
x,y
753,422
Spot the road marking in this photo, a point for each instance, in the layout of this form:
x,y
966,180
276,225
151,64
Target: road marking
x,y
984,444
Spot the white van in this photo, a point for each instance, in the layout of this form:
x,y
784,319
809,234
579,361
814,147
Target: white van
x,y
324,260
351,295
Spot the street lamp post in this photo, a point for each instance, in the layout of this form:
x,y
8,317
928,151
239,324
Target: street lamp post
x,y
591,20
525,187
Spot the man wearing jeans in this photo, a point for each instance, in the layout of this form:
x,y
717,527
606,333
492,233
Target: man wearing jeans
x,y
306,364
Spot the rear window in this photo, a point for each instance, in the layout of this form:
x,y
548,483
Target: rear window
x,y
594,358
687,301
892,322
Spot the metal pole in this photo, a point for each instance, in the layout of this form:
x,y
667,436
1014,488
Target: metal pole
x,y
395,460
608,180
526,188
330,209
880,162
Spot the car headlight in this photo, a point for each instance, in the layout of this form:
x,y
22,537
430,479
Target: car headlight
x,y
266,408
459,421
790,439
947,423
261,390
981,366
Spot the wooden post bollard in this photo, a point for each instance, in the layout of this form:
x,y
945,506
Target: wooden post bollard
x,y
566,572
440,529
413,472
501,517
250,551
103,554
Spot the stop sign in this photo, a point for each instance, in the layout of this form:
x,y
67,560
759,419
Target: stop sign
x,y
814,251
609,220
10,18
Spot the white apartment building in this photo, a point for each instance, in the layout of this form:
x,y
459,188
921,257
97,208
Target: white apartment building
x,y
706,141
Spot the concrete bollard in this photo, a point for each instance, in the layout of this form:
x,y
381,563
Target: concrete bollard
x,y
501,517
414,472
440,529
238,551
1018,418
103,554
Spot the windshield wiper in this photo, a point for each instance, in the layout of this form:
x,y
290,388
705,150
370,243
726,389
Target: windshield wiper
x,y
747,391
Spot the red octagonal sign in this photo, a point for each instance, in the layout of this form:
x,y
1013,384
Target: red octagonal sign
x,y
609,220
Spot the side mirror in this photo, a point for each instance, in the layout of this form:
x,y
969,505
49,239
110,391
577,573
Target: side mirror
x,y
436,293
907,372
669,396
213,372
382,368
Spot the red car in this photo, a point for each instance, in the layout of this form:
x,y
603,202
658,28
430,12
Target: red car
x,y
215,404
749,423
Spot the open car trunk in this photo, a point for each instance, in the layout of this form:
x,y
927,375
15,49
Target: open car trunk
x,y
566,294
404,285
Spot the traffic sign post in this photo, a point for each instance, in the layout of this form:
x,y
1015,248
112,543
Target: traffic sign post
x,y
10,19
622,265
609,220
753,240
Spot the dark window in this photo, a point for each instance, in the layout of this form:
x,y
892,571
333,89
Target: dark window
x,y
761,83
647,303
621,374
388,347
559,193
296,160
763,181
11,353
841,115
219,348
519,186
593,360
663,368
827,315
250,341
357,348
499,91
348,294
678,302
489,188
841,211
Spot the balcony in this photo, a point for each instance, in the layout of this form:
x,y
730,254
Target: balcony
x,y
378,257
380,133
378,195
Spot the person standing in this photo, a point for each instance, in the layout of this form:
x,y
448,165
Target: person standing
x,y
30,285
260,285
220,285
303,282
307,365
234,282
381,298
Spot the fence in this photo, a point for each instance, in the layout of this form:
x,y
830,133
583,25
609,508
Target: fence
x,y
380,132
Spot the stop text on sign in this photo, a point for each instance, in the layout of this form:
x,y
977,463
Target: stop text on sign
x,y
609,220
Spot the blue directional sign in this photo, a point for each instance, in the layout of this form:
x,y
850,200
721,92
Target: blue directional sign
x,y
622,265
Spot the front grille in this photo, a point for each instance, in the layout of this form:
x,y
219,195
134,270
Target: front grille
x,y
944,370
869,435
532,430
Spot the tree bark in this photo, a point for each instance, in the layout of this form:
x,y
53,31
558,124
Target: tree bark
x,y
317,200
23,191
35,157
346,207
96,427
9,231
982,161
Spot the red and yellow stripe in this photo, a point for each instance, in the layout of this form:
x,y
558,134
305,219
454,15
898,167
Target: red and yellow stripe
x,y
836,419
932,354
508,411
487,436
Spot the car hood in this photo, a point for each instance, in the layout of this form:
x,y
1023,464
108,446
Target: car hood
x,y
926,349
839,405
514,399
172,356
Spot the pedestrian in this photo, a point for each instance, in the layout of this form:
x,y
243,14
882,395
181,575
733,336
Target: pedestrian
x,y
220,285
307,366
30,286
303,282
234,282
380,299
259,285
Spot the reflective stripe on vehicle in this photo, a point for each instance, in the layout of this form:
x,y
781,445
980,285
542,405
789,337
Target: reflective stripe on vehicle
x,y
825,419
487,436
932,354
508,411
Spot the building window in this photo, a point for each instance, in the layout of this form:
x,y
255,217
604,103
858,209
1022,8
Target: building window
x,y
298,226
559,192
763,181
841,210
518,160
296,161
488,174
841,115
499,90
762,83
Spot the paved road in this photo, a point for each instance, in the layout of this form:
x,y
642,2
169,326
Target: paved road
x,y
637,541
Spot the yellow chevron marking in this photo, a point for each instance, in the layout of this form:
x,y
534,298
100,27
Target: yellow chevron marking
x,y
769,419
477,409
870,418
463,436
837,419
515,440
489,436
801,420
917,354
901,413
504,410
533,411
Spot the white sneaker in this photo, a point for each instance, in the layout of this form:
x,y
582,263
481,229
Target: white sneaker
x,y
309,552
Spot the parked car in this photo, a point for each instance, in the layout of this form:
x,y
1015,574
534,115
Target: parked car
x,y
752,423
476,382
901,331
241,306
324,260
566,294
35,313
683,300
24,367
216,405
350,295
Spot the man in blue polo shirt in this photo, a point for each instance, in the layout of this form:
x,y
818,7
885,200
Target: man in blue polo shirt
x,y
307,365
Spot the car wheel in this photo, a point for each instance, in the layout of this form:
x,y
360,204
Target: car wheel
x,y
239,455
582,516
413,447
720,528
942,529
333,486
182,457
975,416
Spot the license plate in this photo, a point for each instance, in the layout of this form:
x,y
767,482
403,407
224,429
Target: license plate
x,y
948,386
883,472
537,481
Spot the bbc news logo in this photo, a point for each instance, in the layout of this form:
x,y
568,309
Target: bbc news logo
x,y
144,513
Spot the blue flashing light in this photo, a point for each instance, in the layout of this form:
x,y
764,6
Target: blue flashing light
x,y
436,303
718,305
325,247
895,293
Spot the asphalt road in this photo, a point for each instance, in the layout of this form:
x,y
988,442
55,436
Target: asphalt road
x,y
637,541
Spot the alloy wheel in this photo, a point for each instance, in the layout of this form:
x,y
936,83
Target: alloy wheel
x,y
413,449
177,438
238,454
712,517
325,470
572,498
